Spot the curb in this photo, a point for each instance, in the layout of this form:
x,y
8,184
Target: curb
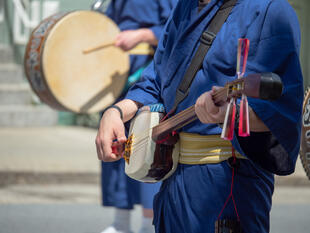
x,y
292,181
10,178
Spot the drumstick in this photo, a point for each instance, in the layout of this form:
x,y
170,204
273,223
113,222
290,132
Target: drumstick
x,y
102,46
140,49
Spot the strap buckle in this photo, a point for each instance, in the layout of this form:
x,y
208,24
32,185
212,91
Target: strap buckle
x,y
207,38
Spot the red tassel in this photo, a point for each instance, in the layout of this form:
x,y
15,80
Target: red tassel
x,y
244,125
229,122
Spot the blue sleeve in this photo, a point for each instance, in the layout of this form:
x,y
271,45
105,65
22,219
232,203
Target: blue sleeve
x,y
164,10
109,11
278,52
146,91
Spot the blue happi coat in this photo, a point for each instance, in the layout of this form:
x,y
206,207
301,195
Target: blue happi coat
x,y
191,199
135,14
117,189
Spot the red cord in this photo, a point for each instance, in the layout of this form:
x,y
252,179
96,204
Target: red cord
x,y
231,190
173,132
169,113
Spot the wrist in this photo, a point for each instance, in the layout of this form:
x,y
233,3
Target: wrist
x,y
142,35
115,108
146,35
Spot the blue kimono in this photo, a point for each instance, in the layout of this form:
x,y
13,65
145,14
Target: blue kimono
x,y
192,198
117,189
135,14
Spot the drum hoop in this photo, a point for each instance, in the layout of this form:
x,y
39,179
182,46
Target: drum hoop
x,y
48,97
63,107
304,155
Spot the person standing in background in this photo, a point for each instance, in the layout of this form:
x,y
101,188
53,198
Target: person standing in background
x,y
139,21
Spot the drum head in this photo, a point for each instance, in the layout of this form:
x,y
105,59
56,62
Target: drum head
x,y
84,82
305,136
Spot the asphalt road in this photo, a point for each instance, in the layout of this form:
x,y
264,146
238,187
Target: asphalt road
x,y
91,218
76,209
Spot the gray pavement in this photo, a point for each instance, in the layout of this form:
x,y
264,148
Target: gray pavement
x,y
51,149
69,208
59,218
49,182
91,218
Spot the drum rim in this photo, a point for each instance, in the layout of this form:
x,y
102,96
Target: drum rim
x,y
304,142
50,99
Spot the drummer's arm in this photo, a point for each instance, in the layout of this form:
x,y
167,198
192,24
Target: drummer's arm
x,y
128,39
148,36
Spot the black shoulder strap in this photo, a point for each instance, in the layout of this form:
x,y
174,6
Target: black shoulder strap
x,y
206,41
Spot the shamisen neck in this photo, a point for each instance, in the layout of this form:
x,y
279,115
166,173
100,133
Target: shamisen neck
x,y
267,86
184,117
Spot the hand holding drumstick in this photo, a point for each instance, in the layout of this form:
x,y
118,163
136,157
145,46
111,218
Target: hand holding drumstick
x,y
129,39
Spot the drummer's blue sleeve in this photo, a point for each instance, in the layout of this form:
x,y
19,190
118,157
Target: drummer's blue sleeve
x,y
164,11
148,89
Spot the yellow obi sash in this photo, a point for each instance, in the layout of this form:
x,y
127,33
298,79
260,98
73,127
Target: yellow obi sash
x,y
202,149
